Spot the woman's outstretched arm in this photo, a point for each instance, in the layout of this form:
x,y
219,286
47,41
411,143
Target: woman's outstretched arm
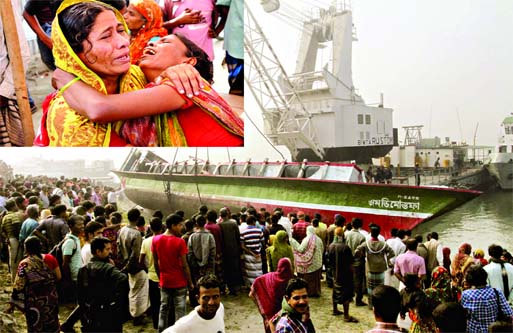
x,y
135,104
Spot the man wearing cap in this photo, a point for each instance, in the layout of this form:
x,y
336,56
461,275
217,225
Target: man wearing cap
x,y
299,229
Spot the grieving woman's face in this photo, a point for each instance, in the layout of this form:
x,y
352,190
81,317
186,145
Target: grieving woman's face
x,y
106,48
134,19
167,51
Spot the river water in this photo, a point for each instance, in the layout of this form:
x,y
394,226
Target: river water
x,y
480,222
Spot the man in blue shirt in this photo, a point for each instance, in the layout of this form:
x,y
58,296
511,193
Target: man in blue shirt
x,y
30,224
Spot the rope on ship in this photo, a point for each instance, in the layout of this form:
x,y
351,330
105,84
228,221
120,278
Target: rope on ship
x,y
265,137
167,184
195,174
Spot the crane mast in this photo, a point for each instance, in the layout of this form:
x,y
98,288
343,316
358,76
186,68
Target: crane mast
x,y
266,79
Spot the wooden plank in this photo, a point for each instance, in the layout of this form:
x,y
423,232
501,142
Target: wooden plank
x,y
20,85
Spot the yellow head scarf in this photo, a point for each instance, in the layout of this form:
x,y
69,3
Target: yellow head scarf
x,y
65,126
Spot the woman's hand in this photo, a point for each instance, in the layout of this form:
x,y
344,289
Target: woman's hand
x,y
185,77
60,78
189,16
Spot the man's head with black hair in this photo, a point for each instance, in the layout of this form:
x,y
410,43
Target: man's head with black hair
x,y
159,214
476,276
450,317
387,303
411,244
201,221
208,296
203,209
174,224
357,223
211,216
99,211
156,224
101,247
59,210
495,251
296,295
133,215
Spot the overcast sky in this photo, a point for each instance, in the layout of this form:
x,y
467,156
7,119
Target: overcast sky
x,y
432,60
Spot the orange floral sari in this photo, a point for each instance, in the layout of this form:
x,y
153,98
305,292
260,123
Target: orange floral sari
x,y
151,11
166,129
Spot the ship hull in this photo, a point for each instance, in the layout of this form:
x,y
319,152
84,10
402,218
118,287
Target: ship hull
x,y
390,206
501,167
361,155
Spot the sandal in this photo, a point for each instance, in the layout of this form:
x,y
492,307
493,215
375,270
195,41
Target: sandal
x,y
351,319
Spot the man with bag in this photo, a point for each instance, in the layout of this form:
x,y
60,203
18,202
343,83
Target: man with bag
x,y
102,289
71,263
500,273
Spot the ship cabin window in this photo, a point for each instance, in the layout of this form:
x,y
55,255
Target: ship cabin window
x,y
362,135
421,153
222,169
503,149
507,129
367,135
290,171
360,119
367,119
311,170
437,153
238,169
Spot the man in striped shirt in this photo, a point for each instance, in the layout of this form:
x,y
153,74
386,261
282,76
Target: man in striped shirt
x,y
251,240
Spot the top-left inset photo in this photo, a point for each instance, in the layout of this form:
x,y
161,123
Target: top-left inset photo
x,y
114,73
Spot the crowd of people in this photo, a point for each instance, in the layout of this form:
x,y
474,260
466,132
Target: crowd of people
x,y
102,52
67,242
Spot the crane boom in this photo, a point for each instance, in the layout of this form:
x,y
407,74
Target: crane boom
x,y
286,125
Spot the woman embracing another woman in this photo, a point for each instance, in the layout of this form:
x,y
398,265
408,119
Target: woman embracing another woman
x,y
101,101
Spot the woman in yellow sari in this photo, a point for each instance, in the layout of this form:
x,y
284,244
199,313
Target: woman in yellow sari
x,y
90,41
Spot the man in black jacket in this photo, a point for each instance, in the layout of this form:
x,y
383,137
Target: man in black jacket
x,y
102,291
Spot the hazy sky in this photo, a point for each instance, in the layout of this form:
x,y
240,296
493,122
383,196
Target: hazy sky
x,y
432,60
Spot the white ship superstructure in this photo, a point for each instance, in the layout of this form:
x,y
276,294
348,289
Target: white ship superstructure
x,y
501,162
344,126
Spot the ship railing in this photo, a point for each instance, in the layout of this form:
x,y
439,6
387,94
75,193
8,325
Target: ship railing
x,y
437,176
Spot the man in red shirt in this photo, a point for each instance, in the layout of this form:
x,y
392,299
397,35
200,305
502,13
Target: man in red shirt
x,y
299,229
215,230
169,256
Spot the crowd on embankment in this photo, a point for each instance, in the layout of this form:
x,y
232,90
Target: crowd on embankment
x,y
66,241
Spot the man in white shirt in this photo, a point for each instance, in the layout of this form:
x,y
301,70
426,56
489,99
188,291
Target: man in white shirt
x,y
435,256
496,268
399,248
208,316
284,221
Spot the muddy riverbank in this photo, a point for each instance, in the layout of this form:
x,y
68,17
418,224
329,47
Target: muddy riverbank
x,y
241,313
